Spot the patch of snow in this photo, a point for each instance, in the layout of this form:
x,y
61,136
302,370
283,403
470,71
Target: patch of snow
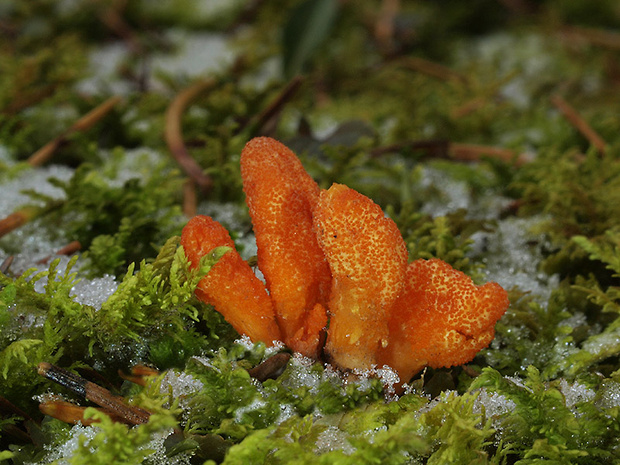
x,y
494,406
602,342
62,453
197,54
5,155
575,393
513,254
180,383
333,438
245,342
94,292
452,194
388,376
608,395
36,180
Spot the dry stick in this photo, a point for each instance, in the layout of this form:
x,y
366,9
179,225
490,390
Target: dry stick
x,y
8,408
271,368
519,7
258,123
580,124
68,249
84,123
139,374
16,219
114,21
469,107
174,135
437,148
474,152
27,99
432,69
6,264
95,393
454,151
384,26
594,36
190,201
71,413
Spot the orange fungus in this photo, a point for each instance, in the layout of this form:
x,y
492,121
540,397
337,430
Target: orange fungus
x,y
230,286
442,318
332,259
368,258
281,197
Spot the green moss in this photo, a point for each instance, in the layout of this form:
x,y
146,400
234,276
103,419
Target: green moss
x,y
117,443
396,123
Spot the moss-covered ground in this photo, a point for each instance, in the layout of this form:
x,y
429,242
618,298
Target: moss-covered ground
x,y
488,130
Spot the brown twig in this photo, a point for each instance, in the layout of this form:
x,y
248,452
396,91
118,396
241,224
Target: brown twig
x,y
68,249
469,107
436,148
259,123
475,152
384,26
84,123
112,404
190,201
518,7
71,413
29,98
271,368
113,20
444,149
6,264
174,135
579,123
598,37
17,219
432,69
7,408
139,374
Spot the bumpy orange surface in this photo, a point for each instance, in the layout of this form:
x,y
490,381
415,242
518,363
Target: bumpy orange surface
x,y
281,197
230,286
336,250
368,259
442,319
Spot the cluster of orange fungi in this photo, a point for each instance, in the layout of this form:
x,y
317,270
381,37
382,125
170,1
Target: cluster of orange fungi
x,y
338,281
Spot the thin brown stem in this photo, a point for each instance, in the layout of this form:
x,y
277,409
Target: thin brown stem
x,y
114,404
443,149
28,98
573,117
71,413
83,124
190,201
476,152
262,120
384,26
17,219
112,18
271,368
6,264
599,37
139,374
69,249
435,148
174,134
432,69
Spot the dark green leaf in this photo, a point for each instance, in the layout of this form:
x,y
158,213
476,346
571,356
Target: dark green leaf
x,y
306,29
